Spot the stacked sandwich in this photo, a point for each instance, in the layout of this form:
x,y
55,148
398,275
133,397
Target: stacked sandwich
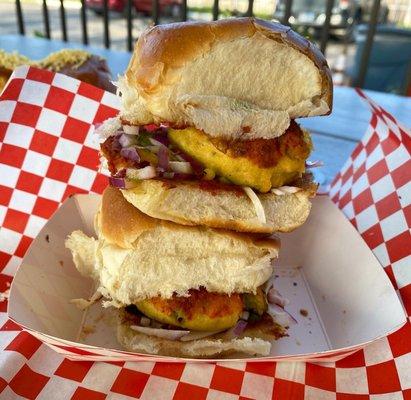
x,y
206,163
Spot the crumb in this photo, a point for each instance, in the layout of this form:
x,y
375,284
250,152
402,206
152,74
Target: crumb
x,y
47,238
310,332
323,297
344,312
61,263
294,283
400,197
276,276
309,318
298,343
87,329
304,312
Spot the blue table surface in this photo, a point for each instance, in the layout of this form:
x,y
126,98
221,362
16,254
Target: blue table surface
x,y
334,136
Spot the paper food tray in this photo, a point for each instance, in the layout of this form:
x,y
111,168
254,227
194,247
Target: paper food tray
x,y
326,270
339,294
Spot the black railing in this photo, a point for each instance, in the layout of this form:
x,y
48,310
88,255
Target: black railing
x,y
325,34
46,19
106,26
63,21
155,16
365,56
287,12
129,15
83,17
216,10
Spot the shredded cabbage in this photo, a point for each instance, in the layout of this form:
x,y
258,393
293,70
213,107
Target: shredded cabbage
x,y
259,209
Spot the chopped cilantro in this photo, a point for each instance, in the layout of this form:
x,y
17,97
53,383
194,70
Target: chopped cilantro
x,y
143,139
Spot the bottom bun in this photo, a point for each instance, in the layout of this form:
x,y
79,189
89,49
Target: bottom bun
x,y
200,348
254,342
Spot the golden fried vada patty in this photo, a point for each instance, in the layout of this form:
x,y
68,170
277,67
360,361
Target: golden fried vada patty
x,y
267,152
260,163
200,311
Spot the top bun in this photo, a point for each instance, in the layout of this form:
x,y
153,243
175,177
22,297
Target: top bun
x,y
238,78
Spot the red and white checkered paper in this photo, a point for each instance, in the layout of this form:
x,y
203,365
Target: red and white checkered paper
x,y
43,160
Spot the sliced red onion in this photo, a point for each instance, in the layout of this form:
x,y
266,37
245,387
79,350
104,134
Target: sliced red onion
x,y
274,297
127,140
117,182
163,158
197,335
131,154
280,315
169,334
142,173
239,327
131,129
313,164
276,307
181,167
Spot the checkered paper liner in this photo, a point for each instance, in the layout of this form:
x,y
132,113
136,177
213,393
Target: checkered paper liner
x,y
43,161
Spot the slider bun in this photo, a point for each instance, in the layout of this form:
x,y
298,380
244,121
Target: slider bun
x,y
200,348
122,224
139,257
187,203
238,78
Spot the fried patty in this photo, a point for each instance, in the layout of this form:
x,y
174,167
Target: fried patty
x,y
266,153
200,311
260,164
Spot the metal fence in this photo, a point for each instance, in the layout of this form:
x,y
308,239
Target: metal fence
x,y
156,19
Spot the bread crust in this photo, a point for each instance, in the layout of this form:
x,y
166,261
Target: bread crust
x,y
120,223
173,45
188,203
162,64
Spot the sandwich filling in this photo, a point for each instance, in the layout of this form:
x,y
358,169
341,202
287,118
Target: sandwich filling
x,y
202,314
150,152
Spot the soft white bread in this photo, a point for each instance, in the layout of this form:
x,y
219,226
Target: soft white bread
x,y
138,257
200,348
190,203
238,78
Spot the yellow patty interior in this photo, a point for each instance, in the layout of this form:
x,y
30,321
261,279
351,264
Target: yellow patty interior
x,y
239,170
201,311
